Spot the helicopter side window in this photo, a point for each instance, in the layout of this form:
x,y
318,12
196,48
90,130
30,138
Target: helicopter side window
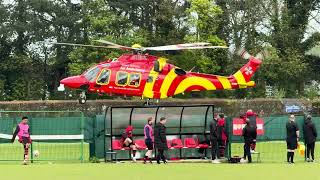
x,y
91,74
134,79
104,77
122,78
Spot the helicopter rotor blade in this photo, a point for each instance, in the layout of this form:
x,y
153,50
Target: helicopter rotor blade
x,y
81,45
199,45
114,45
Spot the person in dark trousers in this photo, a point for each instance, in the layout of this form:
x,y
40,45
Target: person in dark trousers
x,y
249,134
292,138
23,132
160,139
310,136
204,143
222,135
214,140
148,139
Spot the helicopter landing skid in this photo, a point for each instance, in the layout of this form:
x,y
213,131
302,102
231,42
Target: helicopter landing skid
x,y
151,102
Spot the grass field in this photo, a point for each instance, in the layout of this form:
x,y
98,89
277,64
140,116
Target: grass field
x,y
172,171
55,169
48,151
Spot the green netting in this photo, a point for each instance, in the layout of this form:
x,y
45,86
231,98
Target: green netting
x,y
57,135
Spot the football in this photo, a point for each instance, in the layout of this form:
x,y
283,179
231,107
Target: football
x,y
36,153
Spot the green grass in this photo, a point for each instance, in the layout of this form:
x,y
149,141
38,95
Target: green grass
x,y
48,151
54,169
271,151
174,171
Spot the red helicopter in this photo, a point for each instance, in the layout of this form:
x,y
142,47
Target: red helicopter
x,y
151,77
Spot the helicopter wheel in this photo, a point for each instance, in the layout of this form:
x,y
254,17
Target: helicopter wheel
x,y
82,97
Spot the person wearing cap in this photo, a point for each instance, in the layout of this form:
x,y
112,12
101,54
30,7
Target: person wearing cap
x,y
310,136
127,141
292,138
160,139
249,133
252,116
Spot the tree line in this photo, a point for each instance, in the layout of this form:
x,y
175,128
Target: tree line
x,y
31,66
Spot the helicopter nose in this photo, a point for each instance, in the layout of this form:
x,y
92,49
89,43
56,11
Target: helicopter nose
x,y
74,82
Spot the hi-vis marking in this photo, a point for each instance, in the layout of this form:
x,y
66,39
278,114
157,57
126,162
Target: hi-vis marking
x,y
147,92
194,81
167,83
225,82
239,77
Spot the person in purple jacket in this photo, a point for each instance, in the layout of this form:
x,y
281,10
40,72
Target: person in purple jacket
x,y
148,138
23,132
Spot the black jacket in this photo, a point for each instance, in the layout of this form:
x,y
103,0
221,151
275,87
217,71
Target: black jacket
x,y
213,130
309,132
249,133
160,139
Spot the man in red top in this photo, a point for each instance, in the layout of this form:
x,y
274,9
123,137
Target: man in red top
x,y
222,135
127,141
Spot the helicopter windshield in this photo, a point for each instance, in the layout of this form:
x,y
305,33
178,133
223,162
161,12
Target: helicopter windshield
x,y
92,73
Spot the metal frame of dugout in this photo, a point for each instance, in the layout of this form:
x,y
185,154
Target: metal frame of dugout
x,y
179,125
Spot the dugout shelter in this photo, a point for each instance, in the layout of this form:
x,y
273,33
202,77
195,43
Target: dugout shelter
x,y
187,127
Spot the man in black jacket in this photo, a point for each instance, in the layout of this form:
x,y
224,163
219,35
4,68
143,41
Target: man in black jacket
x,y
292,138
310,136
249,134
214,141
160,139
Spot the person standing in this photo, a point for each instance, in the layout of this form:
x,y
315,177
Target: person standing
x,y
160,139
292,138
214,141
222,135
249,134
149,139
310,136
252,116
23,132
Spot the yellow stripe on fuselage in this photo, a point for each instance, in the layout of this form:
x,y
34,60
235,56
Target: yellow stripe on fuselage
x,y
147,91
239,77
167,83
194,81
225,82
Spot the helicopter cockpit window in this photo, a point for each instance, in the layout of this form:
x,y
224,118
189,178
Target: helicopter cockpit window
x,y
122,78
104,77
134,79
91,74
